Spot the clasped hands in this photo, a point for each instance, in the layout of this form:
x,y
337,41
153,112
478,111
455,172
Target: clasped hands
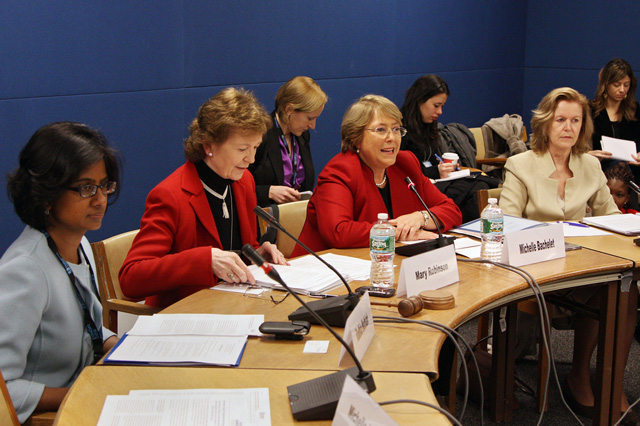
x,y
409,227
228,266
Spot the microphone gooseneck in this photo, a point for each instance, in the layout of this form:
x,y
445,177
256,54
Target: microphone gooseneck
x,y
412,186
256,258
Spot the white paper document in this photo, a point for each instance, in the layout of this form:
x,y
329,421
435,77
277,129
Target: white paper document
x,y
188,407
626,224
511,224
620,149
178,350
459,174
197,324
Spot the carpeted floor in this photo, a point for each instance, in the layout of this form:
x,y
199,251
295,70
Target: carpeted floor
x,y
526,370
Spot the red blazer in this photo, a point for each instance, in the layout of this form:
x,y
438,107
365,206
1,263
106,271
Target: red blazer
x,y
171,256
346,202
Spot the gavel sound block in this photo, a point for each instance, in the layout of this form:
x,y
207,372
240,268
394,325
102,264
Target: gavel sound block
x,y
428,299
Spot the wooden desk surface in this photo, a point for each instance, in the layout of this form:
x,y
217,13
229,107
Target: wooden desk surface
x,y
84,402
615,244
480,288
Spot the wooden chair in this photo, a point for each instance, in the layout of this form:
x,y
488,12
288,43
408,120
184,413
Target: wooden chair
x,y
292,217
529,306
109,255
9,417
481,149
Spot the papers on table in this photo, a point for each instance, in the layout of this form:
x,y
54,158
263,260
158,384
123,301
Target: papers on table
x,y
184,339
573,229
511,224
307,275
626,224
620,149
188,407
467,247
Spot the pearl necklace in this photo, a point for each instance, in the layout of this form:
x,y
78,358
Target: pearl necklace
x,y
381,184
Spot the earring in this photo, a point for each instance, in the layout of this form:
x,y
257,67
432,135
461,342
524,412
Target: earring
x,y
357,150
210,154
47,211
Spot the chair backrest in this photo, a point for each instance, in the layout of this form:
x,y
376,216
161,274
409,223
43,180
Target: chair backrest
x,y
292,217
8,414
109,255
479,137
485,194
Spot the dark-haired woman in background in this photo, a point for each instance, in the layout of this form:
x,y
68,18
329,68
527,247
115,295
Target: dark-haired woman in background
x,y
283,165
422,106
199,217
615,111
50,311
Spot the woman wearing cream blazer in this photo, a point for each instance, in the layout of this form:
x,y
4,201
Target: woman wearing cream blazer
x,y
558,180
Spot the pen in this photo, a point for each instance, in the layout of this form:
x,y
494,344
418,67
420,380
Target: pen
x,y
580,225
321,295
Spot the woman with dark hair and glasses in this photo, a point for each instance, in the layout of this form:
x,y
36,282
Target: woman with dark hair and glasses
x,y
423,104
367,178
50,309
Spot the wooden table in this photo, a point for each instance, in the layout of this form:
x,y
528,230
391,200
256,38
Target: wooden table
x,y
84,402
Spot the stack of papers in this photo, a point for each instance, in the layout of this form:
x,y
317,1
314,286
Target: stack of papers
x,y
188,407
307,275
620,149
626,224
511,224
186,339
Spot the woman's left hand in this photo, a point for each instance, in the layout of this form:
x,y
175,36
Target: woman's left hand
x,y
272,254
408,226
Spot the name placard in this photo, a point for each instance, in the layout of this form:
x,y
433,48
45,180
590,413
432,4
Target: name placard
x,y
428,271
357,408
358,330
533,245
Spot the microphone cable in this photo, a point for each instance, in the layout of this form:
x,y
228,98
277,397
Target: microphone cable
x,y
435,407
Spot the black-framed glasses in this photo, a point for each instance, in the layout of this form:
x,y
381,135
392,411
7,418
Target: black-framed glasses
x,y
383,131
89,190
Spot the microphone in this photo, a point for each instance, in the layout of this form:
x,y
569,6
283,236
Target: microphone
x,y
441,241
315,399
334,310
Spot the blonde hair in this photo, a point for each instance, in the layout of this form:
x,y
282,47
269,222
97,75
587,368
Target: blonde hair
x,y
359,115
302,93
229,111
543,115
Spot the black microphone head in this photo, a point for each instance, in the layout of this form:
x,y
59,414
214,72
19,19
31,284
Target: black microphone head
x,y
253,255
408,180
267,217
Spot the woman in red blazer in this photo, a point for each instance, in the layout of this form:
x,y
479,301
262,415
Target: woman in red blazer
x,y
197,219
367,178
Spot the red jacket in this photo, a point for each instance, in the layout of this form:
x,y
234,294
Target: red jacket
x,y
346,202
171,256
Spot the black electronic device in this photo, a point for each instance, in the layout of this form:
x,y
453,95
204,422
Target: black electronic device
x,y
315,399
376,291
424,246
293,330
334,310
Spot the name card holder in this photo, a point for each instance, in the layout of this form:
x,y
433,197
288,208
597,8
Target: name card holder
x,y
358,331
533,245
356,408
428,271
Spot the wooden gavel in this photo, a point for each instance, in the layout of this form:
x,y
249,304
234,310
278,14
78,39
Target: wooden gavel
x,y
406,307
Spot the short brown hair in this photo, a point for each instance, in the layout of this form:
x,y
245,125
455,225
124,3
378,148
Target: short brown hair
x,y
302,93
229,111
543,115
359,115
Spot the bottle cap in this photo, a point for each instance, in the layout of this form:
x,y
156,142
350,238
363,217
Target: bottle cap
x,y
383,216
493,201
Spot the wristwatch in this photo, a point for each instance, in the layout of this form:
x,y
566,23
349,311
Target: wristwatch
x,y
425,215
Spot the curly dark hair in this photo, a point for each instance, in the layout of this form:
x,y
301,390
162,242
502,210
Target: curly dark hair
x,y
621,172
53,159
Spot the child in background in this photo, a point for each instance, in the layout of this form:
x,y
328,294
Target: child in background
x,y
618,179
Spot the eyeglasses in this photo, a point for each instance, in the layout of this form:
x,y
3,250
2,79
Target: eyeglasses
x,y
383,131
257,292
89,189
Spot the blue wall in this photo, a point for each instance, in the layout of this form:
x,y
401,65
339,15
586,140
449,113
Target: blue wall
x,y
138,70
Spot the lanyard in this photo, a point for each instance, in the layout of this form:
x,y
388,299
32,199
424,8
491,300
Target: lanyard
x,y
293,155
90,325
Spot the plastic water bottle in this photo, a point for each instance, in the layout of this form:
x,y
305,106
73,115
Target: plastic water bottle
x,y
492,222
382,244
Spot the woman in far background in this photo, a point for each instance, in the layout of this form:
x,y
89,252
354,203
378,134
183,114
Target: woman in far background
x,y
615,111
423,104
283,166
50,310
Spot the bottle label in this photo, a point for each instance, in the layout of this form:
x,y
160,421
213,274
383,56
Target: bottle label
x,y
490,226
381,244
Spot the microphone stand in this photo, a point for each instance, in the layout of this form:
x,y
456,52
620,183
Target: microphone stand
x,y
441,241
334,310
315,399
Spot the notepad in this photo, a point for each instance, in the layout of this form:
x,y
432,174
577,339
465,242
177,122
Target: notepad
x,y
626,224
